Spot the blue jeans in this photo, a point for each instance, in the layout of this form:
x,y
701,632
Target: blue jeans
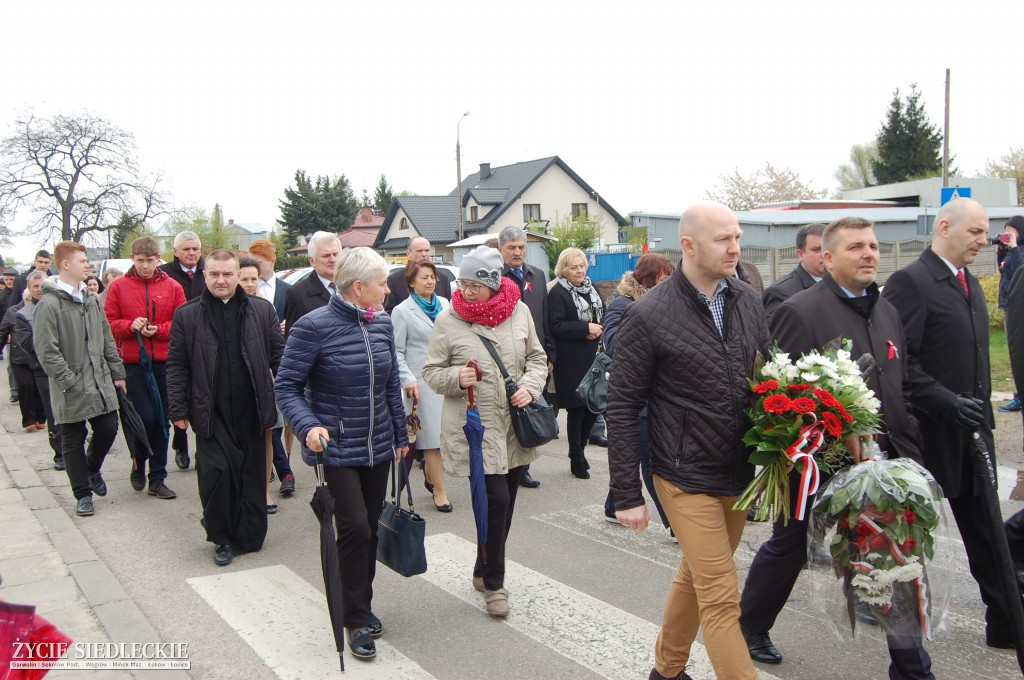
x,y
645,472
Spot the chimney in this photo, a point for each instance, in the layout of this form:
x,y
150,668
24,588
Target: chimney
x,y
366,213
485,170
230,221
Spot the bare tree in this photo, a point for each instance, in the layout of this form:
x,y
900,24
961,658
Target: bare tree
x,y
1010,166
75,174
771,185
858,173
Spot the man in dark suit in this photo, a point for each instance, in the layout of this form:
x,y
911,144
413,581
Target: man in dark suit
x,y
946,321
313,291
418,250
187,269
846,304
274,290
748,273
187,266
534,291
808,271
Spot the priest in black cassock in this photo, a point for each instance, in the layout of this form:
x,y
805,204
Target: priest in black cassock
x,y
225,347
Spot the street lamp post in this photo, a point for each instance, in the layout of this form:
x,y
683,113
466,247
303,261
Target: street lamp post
x,y
458,173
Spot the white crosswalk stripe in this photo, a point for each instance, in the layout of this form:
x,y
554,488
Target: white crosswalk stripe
x,y
591,632
295,641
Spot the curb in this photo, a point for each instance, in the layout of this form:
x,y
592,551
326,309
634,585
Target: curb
x,y
115,609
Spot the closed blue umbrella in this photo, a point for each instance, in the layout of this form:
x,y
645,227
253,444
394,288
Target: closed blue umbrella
x,y
146,362
474,430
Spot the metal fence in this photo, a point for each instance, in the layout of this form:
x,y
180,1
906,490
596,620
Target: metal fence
x,y
776,262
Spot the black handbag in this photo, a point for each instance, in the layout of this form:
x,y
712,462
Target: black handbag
x,y
400,532
534,424
593,389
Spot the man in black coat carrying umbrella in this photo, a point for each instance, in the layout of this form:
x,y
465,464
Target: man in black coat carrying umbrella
x,y
945,318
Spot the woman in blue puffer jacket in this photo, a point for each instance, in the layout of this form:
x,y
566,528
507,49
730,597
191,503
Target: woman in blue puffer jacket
x,y
343,353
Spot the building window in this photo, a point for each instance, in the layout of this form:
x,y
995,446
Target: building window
x,y
579,210
404,224
531,212
473,217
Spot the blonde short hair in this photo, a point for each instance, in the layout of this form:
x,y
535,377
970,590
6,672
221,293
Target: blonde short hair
x,y
358,264
567,258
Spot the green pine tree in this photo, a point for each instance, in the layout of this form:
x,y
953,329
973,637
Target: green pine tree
x,y
383,196
909,145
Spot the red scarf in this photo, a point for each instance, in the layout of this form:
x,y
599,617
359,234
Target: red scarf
x,y
494,311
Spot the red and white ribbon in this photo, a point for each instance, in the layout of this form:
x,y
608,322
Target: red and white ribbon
x,y
807,444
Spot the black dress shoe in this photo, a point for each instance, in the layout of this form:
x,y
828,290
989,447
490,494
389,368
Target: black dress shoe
x,y
360,643
85,507
376,627
527,480
599,440
138,479
428,486
181,459
99,487
223,555
761,648
58,464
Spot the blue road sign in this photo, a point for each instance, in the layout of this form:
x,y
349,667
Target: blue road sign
x,y
949,193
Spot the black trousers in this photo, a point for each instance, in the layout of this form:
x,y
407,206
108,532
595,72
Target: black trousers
x,y
232,477
29,400
358,497
1015,537
281,463
579,422
79,463
52,429
156,422
972,518
501,502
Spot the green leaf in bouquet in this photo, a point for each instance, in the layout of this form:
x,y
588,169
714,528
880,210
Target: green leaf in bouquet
x,y
928,545
761,457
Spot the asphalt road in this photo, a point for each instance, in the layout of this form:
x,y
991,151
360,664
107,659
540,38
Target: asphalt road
x,y
586,595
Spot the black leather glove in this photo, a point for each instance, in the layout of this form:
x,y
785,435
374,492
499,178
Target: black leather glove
x,y
966,412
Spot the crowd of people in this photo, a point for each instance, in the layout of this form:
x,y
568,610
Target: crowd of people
x,y
344,358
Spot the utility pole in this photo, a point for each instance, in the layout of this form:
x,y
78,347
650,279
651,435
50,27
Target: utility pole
x,y
945,139
458,178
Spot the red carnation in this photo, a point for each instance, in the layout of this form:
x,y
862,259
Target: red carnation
x,y
862,543
766,386
877,542
833,425
826,398
777,403
909,515
908,544
798,387
889,516
863,529
802,405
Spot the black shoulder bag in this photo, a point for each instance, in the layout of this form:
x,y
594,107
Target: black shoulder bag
x,y
400,532
534,424
593,389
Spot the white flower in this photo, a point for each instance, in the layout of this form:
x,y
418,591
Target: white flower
x,y
810,377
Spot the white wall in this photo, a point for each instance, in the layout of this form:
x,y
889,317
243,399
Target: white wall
x,y
394,231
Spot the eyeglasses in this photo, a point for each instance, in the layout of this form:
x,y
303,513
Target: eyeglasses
x,y
469,287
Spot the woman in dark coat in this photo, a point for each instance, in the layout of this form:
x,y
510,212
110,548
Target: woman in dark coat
x,y
651,269
344,355
575,312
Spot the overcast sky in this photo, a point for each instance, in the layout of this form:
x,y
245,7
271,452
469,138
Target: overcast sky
x,y
648,101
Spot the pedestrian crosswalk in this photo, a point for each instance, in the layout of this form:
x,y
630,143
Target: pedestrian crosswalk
x,y
296,642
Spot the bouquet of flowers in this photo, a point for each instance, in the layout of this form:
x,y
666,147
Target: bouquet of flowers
x,y
880,519
803,412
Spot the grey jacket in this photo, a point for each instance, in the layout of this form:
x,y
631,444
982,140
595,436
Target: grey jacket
x,y
78,353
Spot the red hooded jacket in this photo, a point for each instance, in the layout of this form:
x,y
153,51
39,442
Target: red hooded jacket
x,y
132,296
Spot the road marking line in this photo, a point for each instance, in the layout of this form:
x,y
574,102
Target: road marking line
x,y
607,640
294,641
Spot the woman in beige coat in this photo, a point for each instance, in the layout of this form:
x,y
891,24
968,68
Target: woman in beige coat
x,y
486,305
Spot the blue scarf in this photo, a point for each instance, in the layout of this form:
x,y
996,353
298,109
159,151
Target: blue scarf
x,y
432,308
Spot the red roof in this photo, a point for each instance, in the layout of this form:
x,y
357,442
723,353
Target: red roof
x,y
354,238
368,217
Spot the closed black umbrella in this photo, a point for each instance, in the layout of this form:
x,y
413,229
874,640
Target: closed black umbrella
x,y
1007,574
323,507
474,429
133,429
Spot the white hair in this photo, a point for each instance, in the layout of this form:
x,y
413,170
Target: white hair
x,y
320,237
358,264
36,274
182,236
